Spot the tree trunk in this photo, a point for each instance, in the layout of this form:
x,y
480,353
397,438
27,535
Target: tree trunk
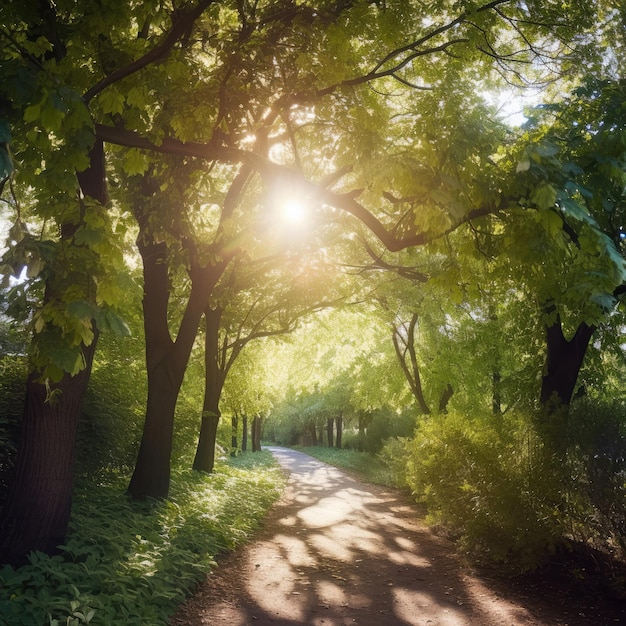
x,y
166,360
37,511
329,431
234,427
446,394
412,373
564,360
496,398
204,460
256,433
339,428
362,433
244,433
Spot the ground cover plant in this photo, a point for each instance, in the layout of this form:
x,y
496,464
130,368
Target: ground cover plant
x,y
133,563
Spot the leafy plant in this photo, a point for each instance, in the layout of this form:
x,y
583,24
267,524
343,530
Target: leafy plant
x,y
132,563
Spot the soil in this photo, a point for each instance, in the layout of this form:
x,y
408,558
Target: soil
x,y
335,551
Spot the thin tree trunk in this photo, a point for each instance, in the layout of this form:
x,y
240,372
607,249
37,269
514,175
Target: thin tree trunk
x,y
166,359
244,433
496,388
234,428
339,428
329,431
204,460
412,373
256,433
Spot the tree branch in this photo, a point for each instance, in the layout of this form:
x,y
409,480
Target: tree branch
x,y
179,28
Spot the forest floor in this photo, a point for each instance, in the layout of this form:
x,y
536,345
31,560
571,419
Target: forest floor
x,y
335,551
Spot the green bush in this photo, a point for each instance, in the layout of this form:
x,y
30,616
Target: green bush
x,y
394,456
12,389
113,411
489,481
597,456
382,424
133,563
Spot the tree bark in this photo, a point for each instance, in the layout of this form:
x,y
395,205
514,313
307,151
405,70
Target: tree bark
x,y
446,394
244,433
166,359
496,397
564,360
256,433
339,428
412,373
234,427
37,511
204,460
329,431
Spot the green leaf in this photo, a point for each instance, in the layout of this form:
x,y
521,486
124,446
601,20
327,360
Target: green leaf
x,y
544,196
135,162
32,112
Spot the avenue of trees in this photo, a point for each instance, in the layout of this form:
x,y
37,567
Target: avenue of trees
x,y
316,219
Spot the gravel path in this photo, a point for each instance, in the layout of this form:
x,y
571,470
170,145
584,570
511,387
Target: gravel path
x,y
336,551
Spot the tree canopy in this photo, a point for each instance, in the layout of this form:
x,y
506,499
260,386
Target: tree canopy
x,y
264,160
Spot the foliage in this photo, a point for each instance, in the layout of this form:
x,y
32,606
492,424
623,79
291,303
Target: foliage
x,y
490,482
597,453
487,481
12,385
380,425
113,410
132,563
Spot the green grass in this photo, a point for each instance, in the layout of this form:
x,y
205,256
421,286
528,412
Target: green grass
x,y
134,563
363,464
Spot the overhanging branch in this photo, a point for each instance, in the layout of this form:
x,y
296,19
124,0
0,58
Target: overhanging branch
x,y
343,201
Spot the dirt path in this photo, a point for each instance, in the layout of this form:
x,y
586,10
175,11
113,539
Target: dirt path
x,y
335,551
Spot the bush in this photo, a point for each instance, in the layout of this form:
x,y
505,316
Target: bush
x,y
112,415
597,456
489,481
12,389
382,424
394,456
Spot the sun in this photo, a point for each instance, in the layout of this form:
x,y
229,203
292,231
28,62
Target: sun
x,y
293,211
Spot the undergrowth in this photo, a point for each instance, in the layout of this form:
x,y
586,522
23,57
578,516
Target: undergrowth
x,y
133,563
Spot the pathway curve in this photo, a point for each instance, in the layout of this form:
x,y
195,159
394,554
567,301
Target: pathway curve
x,y
336,551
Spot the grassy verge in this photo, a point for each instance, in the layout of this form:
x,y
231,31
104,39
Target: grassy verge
x,y
365,465
133,563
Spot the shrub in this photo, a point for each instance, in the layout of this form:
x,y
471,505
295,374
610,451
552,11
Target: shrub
x,y
488,480
394,456
597,456
12,389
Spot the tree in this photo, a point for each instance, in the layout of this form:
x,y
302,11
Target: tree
x,y
293,53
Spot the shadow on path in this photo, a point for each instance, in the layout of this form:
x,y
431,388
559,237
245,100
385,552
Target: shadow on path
x,y
336,551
